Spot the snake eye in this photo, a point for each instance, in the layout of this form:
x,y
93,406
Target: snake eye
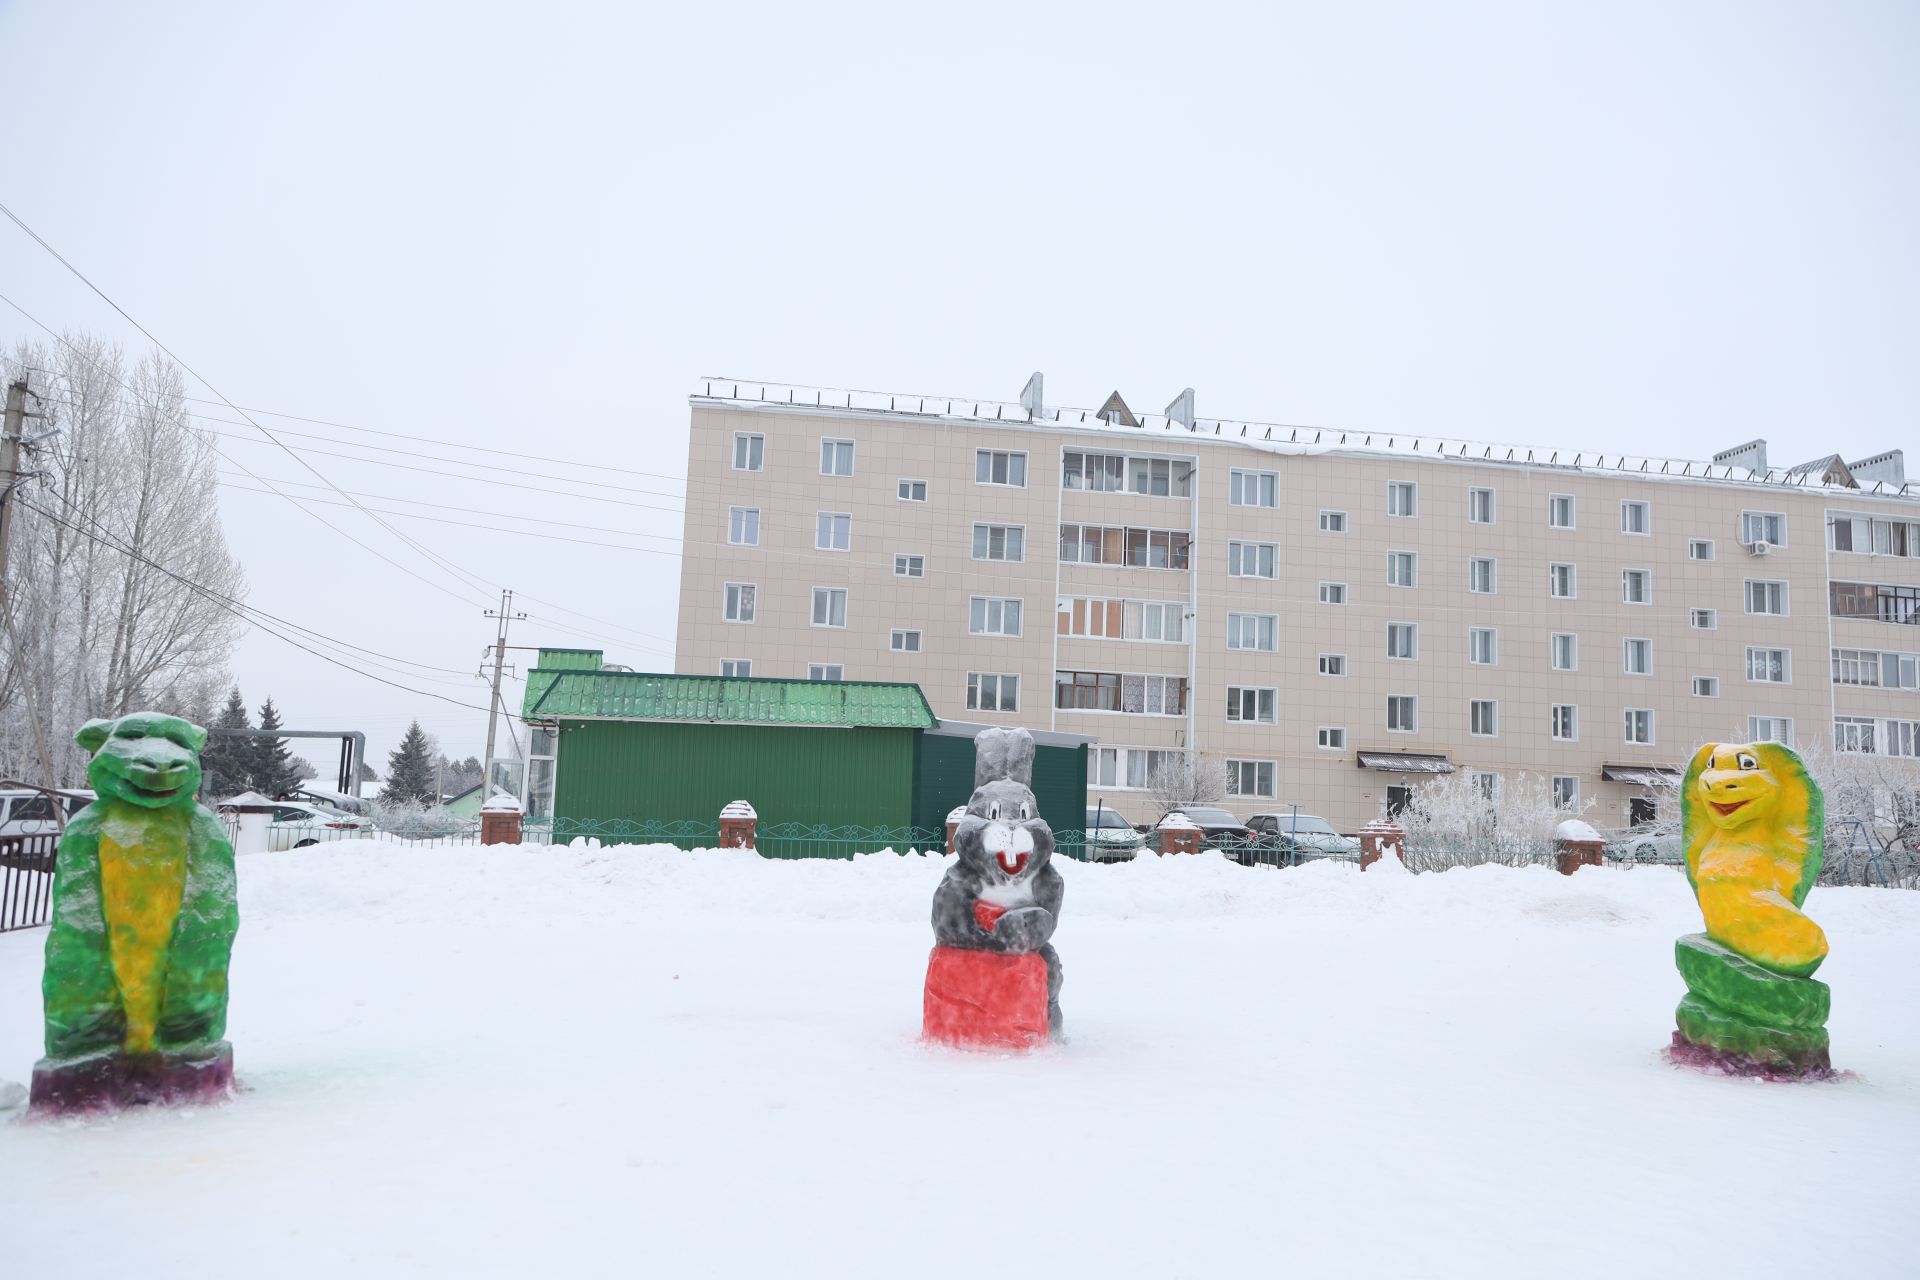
x,y
1746,761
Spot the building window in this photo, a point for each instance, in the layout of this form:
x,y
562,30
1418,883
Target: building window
x,y
1639,725
1403,640
992,466
1252,630
1095,472
1566,651
1400,568
904,641
1483,646
736,667
1560,511
1486,786
1636,586
913,491
1250,778
1401,495
1128,546
1903,738
836,457
1637,659
1480,575
1867,600
993,616
1566,722
1703,619
1160,477
1853,735
1634,518
740,602
999,542
1566,791
1483,717
1333,664
1900,670
1862,667
1161,620
1255,706
832,531
989,692
1763,526
743,526
1140,695
907,565
1868,536
1333,522
1251,559
1560,581
1766,597
825,672
1253,488
1769,666
1331,737
1128,768
1771,729
1480,506
1403,713
1700,549
1706,686
829,606
1333,593
749,452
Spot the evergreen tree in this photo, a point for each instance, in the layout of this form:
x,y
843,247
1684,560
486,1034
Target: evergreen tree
x,y
410,770
272,773
226,763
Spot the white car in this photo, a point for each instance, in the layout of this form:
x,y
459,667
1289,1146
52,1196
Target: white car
x,y
25,812
1110,836
296,824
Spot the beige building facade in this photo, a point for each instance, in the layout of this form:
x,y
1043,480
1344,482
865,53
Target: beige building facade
x,y
1328,617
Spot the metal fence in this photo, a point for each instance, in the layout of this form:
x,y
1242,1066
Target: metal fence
x,y
26,880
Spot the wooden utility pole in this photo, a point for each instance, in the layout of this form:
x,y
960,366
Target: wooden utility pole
x,y
10,470
505,615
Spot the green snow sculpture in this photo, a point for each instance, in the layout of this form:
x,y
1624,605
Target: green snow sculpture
x,y
135,986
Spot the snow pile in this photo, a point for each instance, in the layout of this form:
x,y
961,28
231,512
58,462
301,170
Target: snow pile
x,y
532,1061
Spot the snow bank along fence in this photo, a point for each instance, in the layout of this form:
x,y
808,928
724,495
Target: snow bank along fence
x,y
26,880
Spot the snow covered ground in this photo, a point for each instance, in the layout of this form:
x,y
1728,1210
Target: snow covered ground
x,y
645,1062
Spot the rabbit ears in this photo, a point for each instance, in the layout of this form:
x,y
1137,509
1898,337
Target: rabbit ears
x,y
1003,753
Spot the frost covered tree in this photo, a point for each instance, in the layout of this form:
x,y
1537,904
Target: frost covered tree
x,y
122,589
272,773
1186,779
1459,820
410,770
225,762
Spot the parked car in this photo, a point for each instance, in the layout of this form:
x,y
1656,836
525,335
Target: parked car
x,y
1217,826
26,812
296,824
1110,836
1639,847
1300,837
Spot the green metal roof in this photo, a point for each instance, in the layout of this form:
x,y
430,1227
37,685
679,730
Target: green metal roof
x,y
635,695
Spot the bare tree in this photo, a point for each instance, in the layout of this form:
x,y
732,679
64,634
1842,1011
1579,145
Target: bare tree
x,y
121,584
1456,820
1186,778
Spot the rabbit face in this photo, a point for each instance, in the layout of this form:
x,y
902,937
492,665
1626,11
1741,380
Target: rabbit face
x,y
1003,837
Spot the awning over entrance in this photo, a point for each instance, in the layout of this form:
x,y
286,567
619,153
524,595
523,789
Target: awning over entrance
x,y
1404,762
1640,775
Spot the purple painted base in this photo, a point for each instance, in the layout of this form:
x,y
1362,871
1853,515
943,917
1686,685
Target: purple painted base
x,y
109,1081
1685,1053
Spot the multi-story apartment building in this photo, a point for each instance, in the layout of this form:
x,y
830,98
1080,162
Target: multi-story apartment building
x,y
1328,616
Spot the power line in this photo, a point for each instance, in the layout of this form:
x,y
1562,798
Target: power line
x,y
446,565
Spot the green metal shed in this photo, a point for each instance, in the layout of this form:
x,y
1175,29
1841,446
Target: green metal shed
x,y
946,774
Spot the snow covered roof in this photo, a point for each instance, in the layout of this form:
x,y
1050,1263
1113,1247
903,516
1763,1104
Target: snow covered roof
x,y
639,695
1640,775
1283,438
1404,762
1574,829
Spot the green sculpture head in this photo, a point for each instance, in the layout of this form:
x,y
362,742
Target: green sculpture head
x,y
146,758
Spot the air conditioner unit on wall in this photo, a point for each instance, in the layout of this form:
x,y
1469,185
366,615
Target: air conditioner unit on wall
x,y
1760,548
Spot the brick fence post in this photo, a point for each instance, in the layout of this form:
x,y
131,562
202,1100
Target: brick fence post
x,y
737,822
1379,838
1576,845
500,820
1178,834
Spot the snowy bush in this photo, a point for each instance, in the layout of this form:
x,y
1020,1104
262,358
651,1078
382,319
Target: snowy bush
x,y
1452,821
1186,779
413,821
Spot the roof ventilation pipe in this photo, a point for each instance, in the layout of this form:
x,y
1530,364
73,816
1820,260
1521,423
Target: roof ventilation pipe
x,y
1888,468
1033,398
1752,455
1181,410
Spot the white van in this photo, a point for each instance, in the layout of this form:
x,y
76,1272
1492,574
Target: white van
x,y
25,812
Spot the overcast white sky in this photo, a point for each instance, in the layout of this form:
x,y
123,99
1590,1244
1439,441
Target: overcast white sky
x,y
1664,228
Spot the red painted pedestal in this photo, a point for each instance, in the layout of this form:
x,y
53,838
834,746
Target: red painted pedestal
x,y
985,1000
